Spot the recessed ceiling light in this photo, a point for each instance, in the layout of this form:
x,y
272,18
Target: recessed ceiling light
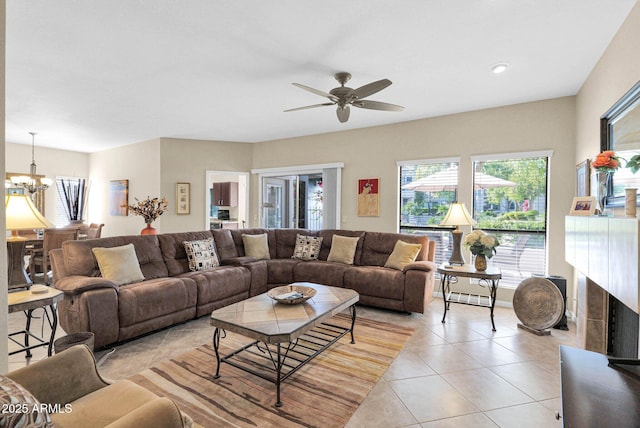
x,y
500,67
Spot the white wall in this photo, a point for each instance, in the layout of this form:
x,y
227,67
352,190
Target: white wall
x,y
138,163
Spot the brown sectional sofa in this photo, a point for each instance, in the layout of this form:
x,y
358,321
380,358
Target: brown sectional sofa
x,y
171,293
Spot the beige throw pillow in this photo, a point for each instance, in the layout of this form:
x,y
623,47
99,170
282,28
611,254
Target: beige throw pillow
x,y
201,254
256,246
403,253
119,264
307,247
343,249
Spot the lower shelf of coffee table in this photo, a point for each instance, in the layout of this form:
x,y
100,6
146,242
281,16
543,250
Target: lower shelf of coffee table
x,y
276,362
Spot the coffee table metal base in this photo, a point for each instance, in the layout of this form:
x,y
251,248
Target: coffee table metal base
x,y
276,362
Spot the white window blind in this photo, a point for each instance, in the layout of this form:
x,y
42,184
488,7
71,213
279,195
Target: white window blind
x,y
510,201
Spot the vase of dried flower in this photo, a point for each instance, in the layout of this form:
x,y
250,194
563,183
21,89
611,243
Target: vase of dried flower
x,y
149,230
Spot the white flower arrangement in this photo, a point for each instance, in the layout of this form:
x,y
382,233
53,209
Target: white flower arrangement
x,y
479,242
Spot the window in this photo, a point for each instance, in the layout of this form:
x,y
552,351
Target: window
x,y
79,193
510,201
427,187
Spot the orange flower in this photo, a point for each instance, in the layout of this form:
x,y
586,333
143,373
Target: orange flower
x,y
606,161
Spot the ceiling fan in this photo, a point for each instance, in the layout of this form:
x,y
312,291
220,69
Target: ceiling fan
x,y
343,96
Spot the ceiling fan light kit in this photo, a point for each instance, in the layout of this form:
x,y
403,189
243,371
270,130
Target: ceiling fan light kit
x,y
343,97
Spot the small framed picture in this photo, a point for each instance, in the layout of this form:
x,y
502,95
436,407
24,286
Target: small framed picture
x,y
183,198
583,205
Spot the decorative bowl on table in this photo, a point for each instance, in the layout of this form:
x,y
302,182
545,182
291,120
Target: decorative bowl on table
x,y
291,294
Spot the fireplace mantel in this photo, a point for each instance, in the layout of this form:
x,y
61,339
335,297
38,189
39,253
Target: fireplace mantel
x,y
605,251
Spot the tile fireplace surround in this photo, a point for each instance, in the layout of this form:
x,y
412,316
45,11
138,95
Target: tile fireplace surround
x,y
605,252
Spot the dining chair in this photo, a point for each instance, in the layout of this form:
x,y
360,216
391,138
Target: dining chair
x,y
39,260
94,231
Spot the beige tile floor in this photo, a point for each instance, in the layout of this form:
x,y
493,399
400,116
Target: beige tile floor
x,y
458,374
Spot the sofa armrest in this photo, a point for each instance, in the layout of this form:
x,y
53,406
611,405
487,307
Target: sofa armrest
x,y
76,284
421,265
61,378
159,413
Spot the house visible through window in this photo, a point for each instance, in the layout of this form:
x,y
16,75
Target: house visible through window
x,y
510,201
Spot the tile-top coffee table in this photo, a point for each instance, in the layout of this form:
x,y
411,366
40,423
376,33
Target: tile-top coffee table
x,y
286,337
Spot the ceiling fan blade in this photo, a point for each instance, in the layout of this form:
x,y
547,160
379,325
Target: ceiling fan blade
x,y
343,113
371,88
317,92
311,106
377,105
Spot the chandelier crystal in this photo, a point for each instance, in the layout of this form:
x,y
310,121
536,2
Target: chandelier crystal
x,y
31,183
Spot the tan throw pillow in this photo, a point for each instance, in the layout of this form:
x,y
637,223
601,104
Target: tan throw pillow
x,y
307,247
201,254
403,253
256,246
343,249
119,264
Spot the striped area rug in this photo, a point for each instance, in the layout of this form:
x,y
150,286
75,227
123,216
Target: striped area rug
x,y
324,393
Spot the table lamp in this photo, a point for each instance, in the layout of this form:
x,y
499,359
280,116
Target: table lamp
x,y
457,216
21,215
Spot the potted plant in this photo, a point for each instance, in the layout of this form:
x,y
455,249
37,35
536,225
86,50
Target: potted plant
x,y
482,245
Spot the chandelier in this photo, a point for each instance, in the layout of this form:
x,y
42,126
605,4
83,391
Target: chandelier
x,y
31,183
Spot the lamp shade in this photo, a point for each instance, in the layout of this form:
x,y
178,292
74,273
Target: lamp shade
x,y
458,216
23,215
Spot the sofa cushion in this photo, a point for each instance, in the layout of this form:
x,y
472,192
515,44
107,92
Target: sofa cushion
x,y
280,271
173,251
343,249
119,264
320,272
327,239
256,246
106,405
155,298
403,254
307,247
225,247
79,259
375,281
17,407
377,246
201,254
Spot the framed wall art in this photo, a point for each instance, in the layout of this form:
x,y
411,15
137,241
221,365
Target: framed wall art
x,y
119,197
583,205
183,198
368,197
583,187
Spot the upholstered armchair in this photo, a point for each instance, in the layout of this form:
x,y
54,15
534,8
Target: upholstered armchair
x,y
70,384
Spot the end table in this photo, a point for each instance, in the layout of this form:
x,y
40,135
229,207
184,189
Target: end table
x,y
39,296
450,274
